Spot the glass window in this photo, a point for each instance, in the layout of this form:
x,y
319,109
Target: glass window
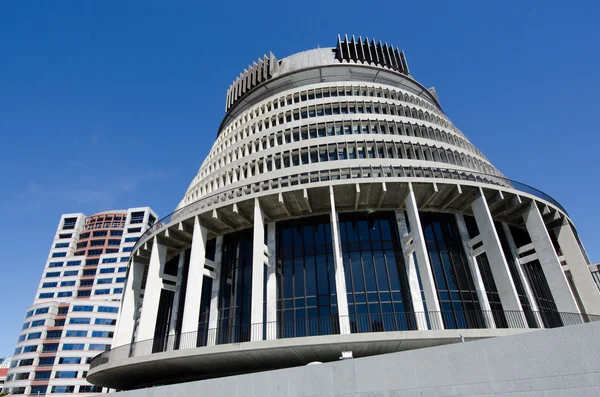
x,y
38,390
116,232
30,348
18,350
26,362
42,375
102,292
49,347
52,274
42,310
29,314
99,346
79,320
64,294
117,290
46,295
120,280
37,323
76,333
99,233
90,389
66,374
89,272
69,360
63,310
49,285
105,321
134,230
53,334
108,309
34,335
83,293
46,361
83,308
65,235
105,281
59,254
102,334
63,389
131,239
61,245
127,249
70,273
122,269
55,264
18,390
73,263
109,260
124,259
107,270
307,302
73,346
67,283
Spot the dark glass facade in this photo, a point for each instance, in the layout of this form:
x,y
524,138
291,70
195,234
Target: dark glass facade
x,y
235,292
376,281
454,284
306,293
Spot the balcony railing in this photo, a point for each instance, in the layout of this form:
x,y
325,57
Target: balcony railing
x,y
344,173
406,321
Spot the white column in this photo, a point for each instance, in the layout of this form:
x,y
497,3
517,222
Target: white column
x,y
193,291
129,306
524,280
177,297
498,265
475,273
340,279
578,266
546,255
411,272
152,292
429,290
271,282
213,316
258,276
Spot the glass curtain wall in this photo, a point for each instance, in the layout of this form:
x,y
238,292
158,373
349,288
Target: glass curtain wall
x,y
306,293
376,281
235,291
537,280
454,284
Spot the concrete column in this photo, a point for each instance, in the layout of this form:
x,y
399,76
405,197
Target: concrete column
x,y
193,291
524,280
429,289
546,255
258,264
177,297
271,282
475,273
498,265
213,315
578,266
340,279
411,272
152,292
129,306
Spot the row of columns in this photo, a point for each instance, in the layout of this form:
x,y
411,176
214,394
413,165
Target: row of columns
x,y
416,260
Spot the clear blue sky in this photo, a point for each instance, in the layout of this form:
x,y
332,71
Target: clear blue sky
x,y
108,104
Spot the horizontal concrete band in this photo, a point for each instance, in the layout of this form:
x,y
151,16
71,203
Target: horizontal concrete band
x,y
562,362
236,358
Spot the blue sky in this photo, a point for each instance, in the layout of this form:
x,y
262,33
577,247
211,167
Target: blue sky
x,y
107,105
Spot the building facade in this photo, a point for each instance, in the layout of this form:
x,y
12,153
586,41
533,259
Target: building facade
x,y
339,209
75,309
4,364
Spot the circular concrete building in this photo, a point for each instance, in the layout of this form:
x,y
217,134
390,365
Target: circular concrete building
x,y
339,210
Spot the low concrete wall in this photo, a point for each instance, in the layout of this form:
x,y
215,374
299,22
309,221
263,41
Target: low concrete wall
x,y
548,363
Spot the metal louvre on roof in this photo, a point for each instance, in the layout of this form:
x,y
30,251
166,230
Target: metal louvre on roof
x,y
363,51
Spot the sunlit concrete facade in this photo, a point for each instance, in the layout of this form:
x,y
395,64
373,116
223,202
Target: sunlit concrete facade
x,y
340,209
75,308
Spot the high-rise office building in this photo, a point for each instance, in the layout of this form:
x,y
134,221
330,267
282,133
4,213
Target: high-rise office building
x,y
75,309
339,209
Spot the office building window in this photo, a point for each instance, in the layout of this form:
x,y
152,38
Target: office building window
x,y
59,254
102,292
99,346
73,346
108,309
67,283
63,389
102,334
38,390
76,334
49,347
61,245
69,223
46,361
70,273
107,270
83,308
64,294
53,334
39,375
37,323
109,260
55,264
46,295
79,320
69,360
73,263
49,285
118,291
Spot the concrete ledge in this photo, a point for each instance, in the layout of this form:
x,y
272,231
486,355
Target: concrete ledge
x,y
240,358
